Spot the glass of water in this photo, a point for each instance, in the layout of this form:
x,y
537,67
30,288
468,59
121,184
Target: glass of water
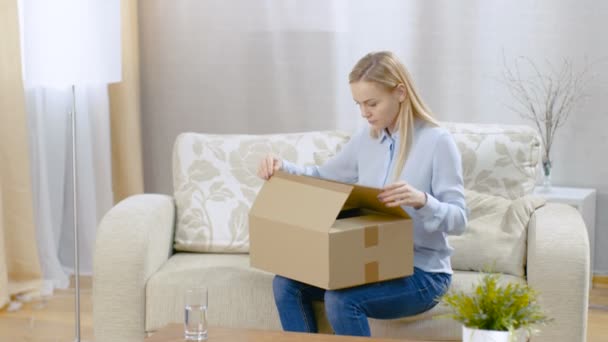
x,y
195,319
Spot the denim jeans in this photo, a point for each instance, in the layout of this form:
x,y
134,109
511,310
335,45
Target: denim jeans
x,y
348,309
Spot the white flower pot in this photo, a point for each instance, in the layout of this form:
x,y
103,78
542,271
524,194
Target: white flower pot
x,y
477,335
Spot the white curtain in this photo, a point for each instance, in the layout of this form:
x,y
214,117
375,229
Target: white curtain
x,y
259,66
51,151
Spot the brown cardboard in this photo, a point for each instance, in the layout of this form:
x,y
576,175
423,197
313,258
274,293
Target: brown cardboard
x,y
295,231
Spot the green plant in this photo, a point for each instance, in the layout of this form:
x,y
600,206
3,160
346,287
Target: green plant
x,y
495,307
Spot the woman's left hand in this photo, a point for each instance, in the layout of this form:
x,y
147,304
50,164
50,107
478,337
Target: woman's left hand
x,y
401,193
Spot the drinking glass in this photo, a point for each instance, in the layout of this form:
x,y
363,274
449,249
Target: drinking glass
x,y
195,319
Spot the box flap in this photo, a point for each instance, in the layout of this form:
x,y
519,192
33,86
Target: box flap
x,y
366,197
306,201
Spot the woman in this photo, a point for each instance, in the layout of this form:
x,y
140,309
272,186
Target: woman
x,y
417,163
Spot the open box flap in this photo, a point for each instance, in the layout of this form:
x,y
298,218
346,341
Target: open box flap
x,y
306,201
366,197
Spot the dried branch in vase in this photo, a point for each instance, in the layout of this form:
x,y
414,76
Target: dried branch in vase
x,y
545,97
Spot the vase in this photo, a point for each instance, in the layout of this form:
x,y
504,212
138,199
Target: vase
x,y
547,168
478,335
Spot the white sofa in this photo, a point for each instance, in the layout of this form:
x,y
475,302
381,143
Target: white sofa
x,y
139,278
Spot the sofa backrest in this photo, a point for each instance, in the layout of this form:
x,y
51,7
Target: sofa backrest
x,y
215,182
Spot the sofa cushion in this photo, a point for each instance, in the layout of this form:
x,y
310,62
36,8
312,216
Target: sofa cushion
x,y
241,296
498,159
238,295
496,234
215,183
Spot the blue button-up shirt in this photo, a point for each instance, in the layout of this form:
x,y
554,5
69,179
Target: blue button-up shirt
x,y
433,166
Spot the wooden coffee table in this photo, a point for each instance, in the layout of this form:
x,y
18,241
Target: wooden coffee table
x,y
175,333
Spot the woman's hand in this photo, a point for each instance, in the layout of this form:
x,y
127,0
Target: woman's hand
x,y
268,166
401,193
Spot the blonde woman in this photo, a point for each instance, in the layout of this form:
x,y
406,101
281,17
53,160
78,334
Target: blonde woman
x,y
417,163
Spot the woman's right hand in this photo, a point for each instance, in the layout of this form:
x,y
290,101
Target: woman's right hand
x,y
268,166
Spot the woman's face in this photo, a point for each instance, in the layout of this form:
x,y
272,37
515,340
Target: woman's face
x,y
378,105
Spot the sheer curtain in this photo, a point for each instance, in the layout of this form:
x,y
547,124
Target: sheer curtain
x,y
50,148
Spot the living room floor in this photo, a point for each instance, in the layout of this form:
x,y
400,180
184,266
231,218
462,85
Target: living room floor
x,y
52,320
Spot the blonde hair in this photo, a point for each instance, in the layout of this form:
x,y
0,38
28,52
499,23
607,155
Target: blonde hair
x,y
385,69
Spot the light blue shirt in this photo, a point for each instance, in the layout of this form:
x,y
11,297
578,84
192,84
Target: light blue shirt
x,y
433,166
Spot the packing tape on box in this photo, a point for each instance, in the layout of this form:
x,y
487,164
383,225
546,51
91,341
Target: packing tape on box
x,y
371,272
370,240
370,236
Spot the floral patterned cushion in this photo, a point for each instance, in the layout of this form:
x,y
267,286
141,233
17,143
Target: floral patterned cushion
x,y
215,183
499,160
215,179
496,234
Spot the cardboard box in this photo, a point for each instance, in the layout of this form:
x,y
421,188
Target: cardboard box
x,y
328,234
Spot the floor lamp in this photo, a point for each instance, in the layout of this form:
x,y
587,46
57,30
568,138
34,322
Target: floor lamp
x,y
71,43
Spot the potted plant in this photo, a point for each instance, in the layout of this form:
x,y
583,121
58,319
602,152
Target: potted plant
x,y
495,313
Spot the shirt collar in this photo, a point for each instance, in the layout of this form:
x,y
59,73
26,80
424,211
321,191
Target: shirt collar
x,y
390,137
395,136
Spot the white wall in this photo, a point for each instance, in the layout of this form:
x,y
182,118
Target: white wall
x,y
261,66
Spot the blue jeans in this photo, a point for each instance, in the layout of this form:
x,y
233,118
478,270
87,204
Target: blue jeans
x,y
348,309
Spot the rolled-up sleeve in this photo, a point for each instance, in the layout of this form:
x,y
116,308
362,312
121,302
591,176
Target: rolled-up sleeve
x,y
445,209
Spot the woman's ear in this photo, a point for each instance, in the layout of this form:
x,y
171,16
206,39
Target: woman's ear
x,y
401,92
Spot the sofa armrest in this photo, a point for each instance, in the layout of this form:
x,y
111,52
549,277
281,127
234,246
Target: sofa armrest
x,y
133,241
558,268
